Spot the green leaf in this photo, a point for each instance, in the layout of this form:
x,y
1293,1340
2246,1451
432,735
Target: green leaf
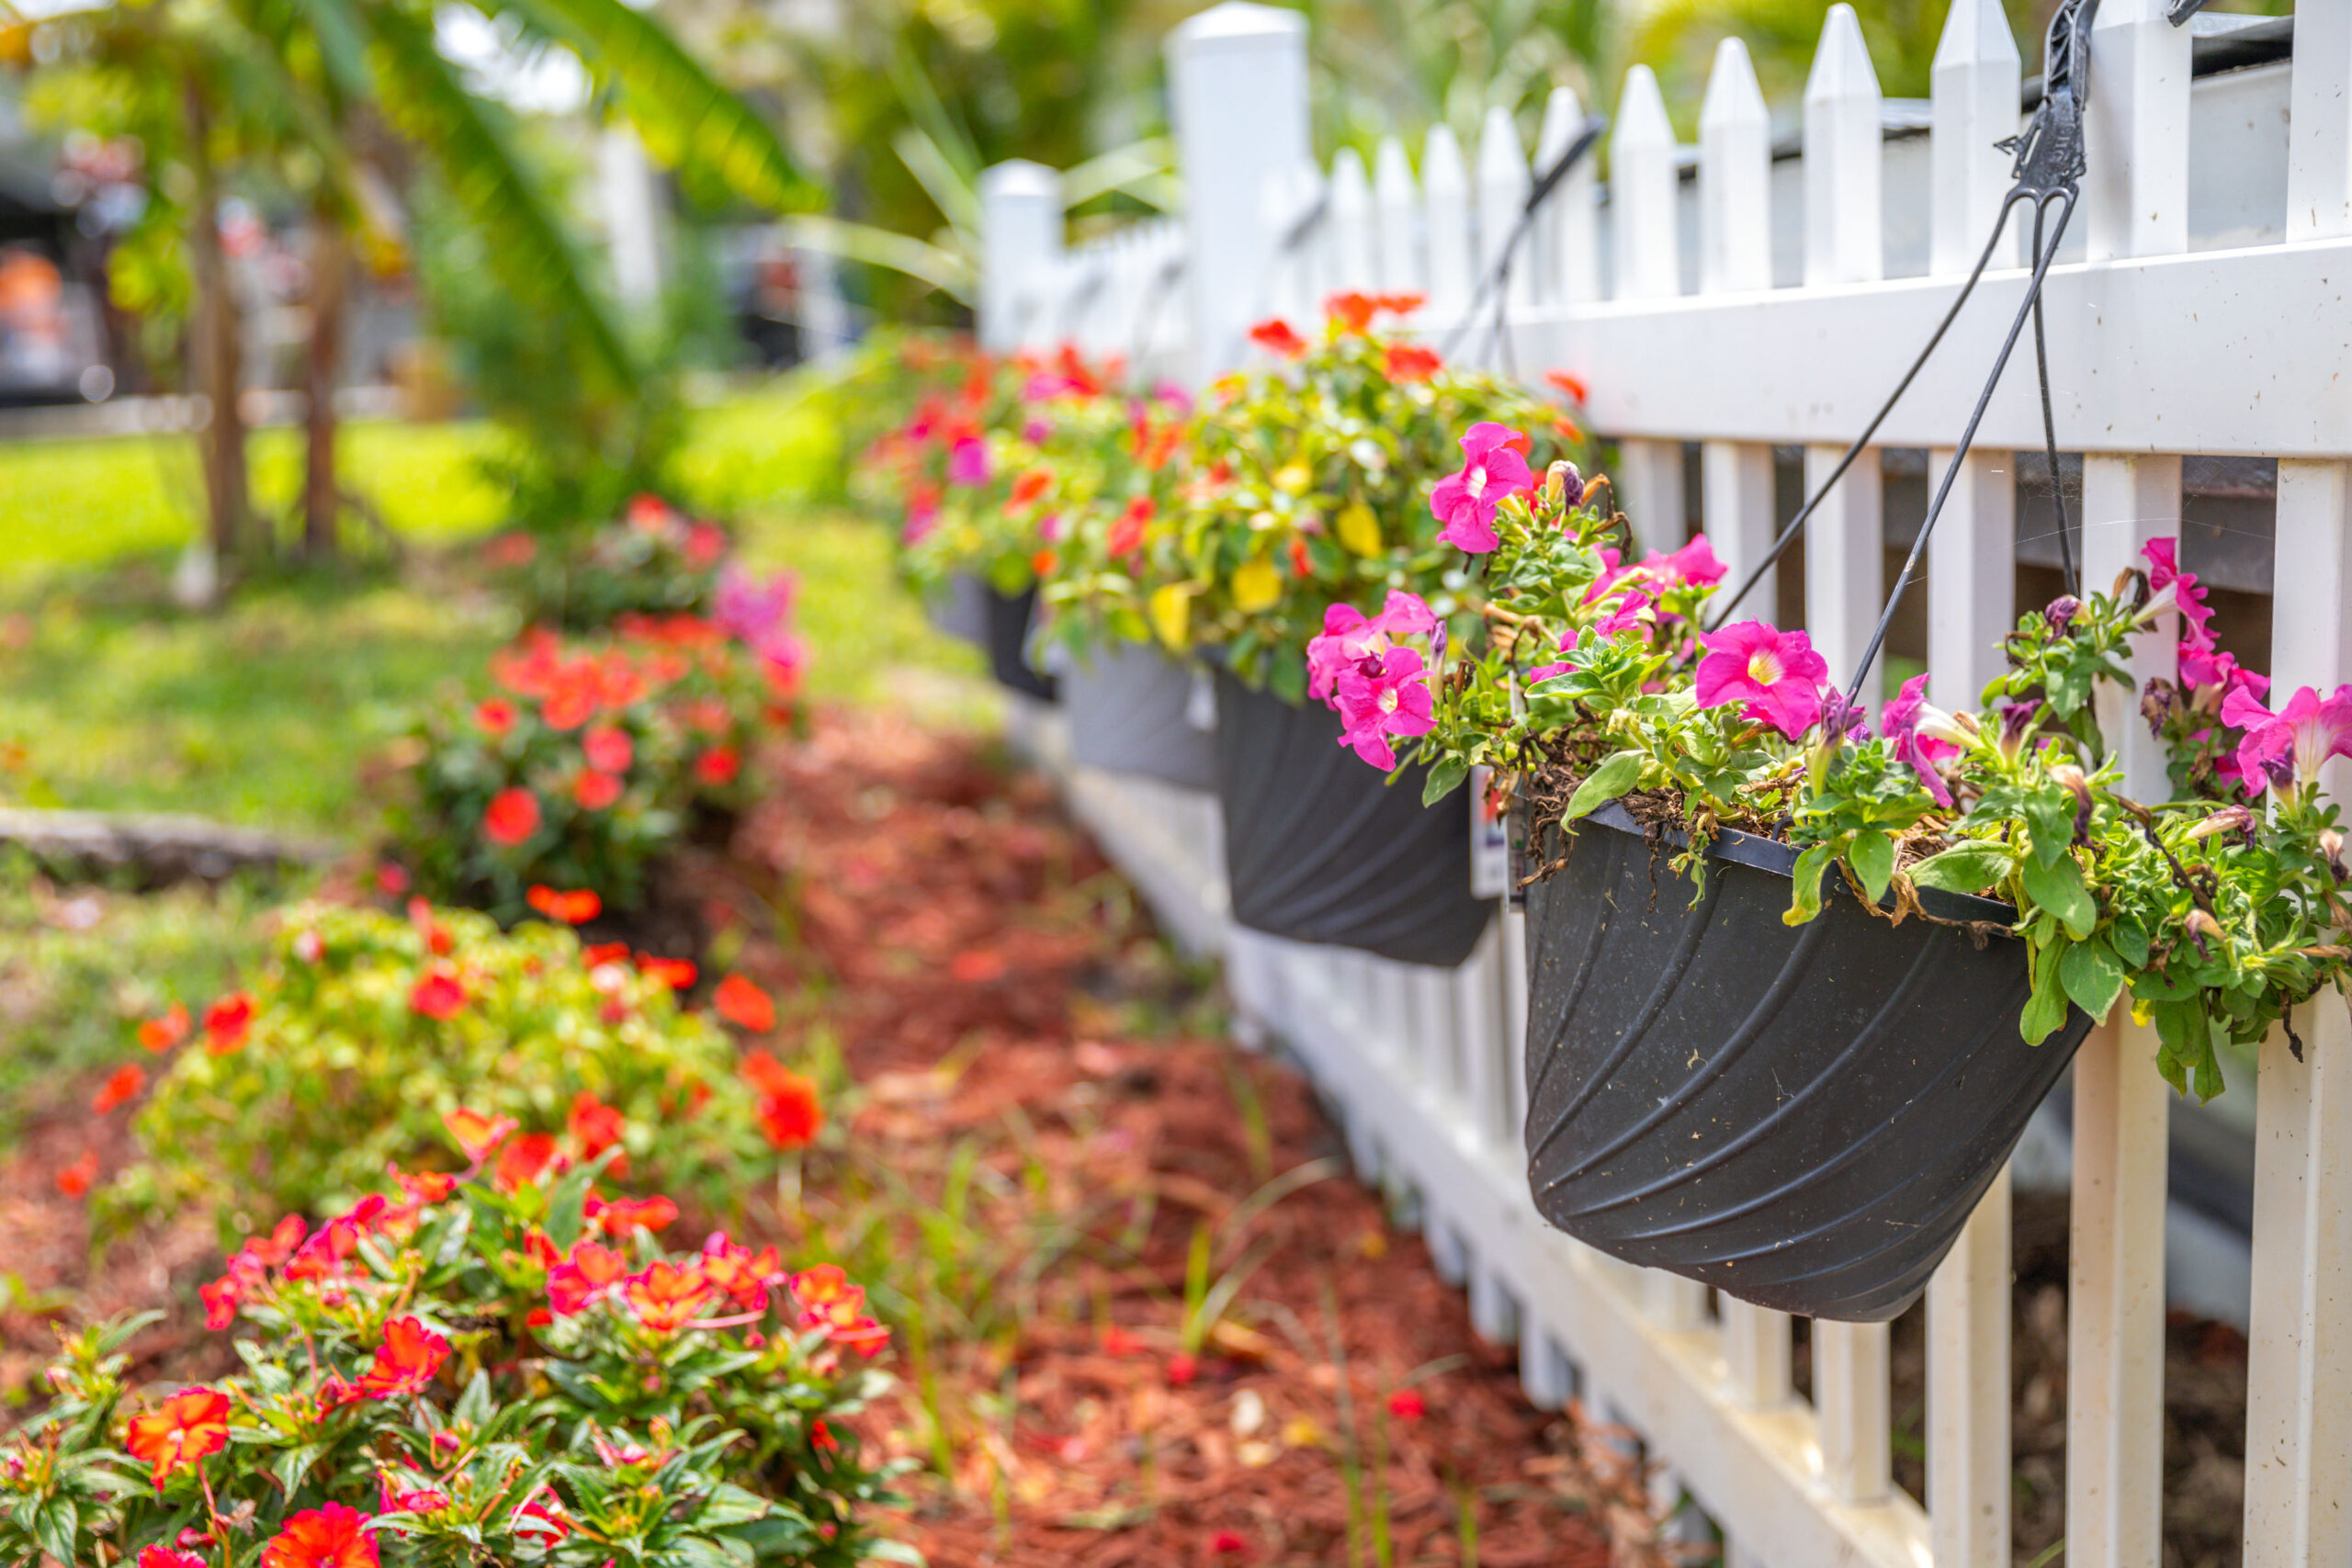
x,y
294,1464
1615,775
1873,857
2130,942
2058,888
1970,867
1445,776
2052,814
2045,1011
55,1528
1805,895
2092,977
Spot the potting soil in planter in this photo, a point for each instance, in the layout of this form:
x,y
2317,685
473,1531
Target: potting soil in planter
x,y
1320,847
1801,1116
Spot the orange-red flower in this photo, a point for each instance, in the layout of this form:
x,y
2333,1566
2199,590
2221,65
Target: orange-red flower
x,y
121,1087
667,1296
744,1005
525,1159
494,716
623,1215
580,1279
1572,385
226,1022
436,994
1274,335
608,748
718,766
1399,304
478,1134
162,1033
574,908
185,1429
1352,311
75,1180
406,1360
594,790
161,1556
333,1537
594,1125
1411,361
1032,484
675,972
1126,534
596,955
512,816
1407,1404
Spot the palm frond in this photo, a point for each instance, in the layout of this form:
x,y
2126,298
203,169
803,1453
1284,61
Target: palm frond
x,y
949,191
954,276
1138,169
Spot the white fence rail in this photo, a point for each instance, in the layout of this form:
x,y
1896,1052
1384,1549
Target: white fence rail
x,y
2200,316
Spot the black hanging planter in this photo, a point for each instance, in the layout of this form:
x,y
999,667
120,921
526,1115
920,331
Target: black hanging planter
x,y
1320,847
1130,713
1008,643
1802,1117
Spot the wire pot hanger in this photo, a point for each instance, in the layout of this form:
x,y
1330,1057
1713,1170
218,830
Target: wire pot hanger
x,y
2049,172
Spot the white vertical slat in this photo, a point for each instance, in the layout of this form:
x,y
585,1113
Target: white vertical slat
x,y
1514,945
1446,225
1478,1010
2122,1108
1968,1391
1398,207
1293,292
1568,230
1844,562
1758,1346
1735,254
1642,197
1503,182
1971,587
1672,1302
1021,241
2299,1374
1849,1400
1353,263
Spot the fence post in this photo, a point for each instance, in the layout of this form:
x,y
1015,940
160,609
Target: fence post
x,y
1566,234
1021,244
1643,196
1503,184
2298,1383
1398,207
1352,266
1970,586
1238,93
1735,255
1446,227
1845,548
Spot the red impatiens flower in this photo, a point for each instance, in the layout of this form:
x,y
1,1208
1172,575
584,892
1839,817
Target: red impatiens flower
x,y
822,1438
75,1180
718,766
185,1429
121,1087
744,1005
406,1360
437,996
494,716
1032,484
1126,535
161,1556
623,1215
675,972
596,955
594,790
477,1135
541,1519
1274,335
161,1034
1228,1541
391,879
1407,1404
593,1125
790,1111
666,1296
512,816
525,1159
333,1537
1411,361
226,1022
576,907
1352,311
587,1273
1572,385
608,748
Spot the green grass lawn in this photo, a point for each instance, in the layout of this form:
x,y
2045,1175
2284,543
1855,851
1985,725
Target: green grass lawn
x,y
267,711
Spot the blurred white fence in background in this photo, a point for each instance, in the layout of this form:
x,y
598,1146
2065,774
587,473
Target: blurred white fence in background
x,y
1741,299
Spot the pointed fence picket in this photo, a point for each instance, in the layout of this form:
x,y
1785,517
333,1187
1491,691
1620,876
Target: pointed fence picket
x,y
2161,342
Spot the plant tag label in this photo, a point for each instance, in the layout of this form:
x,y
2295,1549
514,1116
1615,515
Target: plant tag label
x,y
1490,856
1199,702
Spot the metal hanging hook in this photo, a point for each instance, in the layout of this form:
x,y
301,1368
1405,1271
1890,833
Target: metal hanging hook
x,y
1498,278
2047,170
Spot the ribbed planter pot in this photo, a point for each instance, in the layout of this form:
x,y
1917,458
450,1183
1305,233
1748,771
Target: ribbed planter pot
x,y
1008,641
1130,713
1802,1117
1320,848
960,608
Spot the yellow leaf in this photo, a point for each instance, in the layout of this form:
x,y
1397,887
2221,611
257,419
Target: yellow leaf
x,y
1301,1432
1359,530
1257,586
1171,615
1293,477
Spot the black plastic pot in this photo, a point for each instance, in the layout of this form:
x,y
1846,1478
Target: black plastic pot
x,y
1130,713
1320,848
960,607
1802,1117
1008,643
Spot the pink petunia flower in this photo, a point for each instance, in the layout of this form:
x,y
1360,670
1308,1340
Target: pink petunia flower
x,y
967,462
750,609
1381,699
1776,673
1920,732
2283,750
1350,636
1494,464
2164,572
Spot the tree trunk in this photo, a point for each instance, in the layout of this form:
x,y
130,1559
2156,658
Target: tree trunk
x,y
330,269
212,347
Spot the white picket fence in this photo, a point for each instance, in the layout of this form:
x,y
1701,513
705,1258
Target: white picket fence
x,y
2202,310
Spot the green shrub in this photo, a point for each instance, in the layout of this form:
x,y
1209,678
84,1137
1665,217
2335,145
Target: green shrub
x,y
655,561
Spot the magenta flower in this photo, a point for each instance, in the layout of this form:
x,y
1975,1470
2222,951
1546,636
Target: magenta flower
x,y
2284,750
1921,732
967,462
1693,563
1628,612
1776,673
1349,637
2164,572
2204,668
923,516
747,608
1037,432
1493,466
1384,698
